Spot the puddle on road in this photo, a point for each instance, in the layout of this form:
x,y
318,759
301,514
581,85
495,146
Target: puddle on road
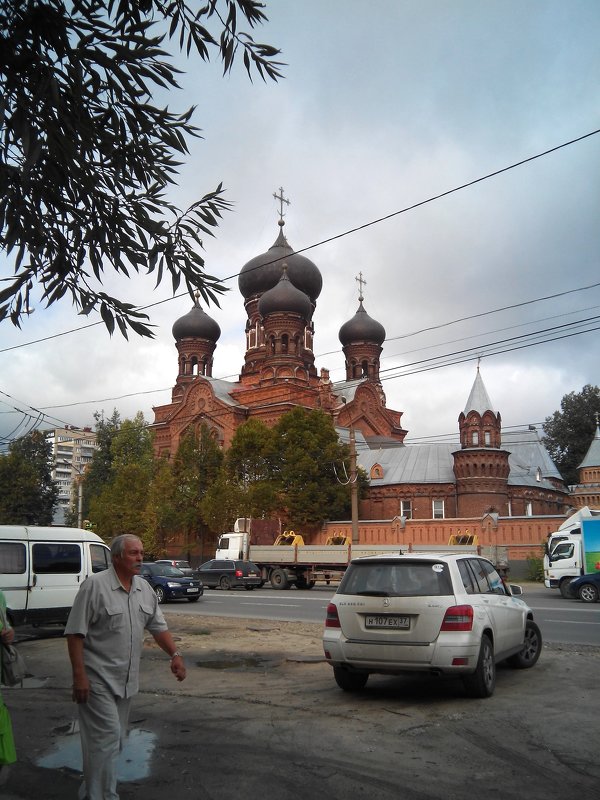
x,y
238,662
133,763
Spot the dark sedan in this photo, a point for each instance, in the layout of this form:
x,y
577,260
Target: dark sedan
x,y
227,574
586,588
169,583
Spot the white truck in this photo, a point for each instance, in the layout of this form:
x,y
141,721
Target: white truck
x,y
290,562
569,551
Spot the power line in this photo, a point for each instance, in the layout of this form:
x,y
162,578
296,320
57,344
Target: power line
x,y
349,232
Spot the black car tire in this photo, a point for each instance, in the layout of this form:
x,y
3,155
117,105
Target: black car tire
x,y
588,593
193,599
482,682
350,681
160,594
564,587
532,647
279,580
225,583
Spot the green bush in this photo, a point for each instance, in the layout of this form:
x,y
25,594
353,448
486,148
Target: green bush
x,y
535,569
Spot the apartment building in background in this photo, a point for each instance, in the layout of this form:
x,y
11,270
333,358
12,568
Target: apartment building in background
x,y
72,452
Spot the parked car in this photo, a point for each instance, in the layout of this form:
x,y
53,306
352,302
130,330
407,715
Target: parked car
x,y
169,583
184,566
230,573
586,588
444,614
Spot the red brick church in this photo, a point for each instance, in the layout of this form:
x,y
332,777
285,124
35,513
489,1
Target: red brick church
x,y
486,472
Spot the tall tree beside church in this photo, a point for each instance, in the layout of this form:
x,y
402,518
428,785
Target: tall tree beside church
x,y
89,150
159,522
251,464
98,474
120,505
27,492
195,467
568,433
308,455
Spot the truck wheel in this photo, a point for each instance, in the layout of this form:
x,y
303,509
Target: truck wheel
x,y
588,593
350,681
532,647
279,580
302,583
225,583
483,681
564,587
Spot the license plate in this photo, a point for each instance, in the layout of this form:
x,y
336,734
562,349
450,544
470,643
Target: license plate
x,y
193,590
387,621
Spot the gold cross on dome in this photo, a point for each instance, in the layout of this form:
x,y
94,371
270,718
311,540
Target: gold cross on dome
x,y
361,282
282,200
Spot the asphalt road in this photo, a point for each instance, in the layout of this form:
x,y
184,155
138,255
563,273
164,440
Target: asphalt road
x,y
260,716
560,620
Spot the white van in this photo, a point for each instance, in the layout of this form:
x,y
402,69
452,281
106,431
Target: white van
x,y
41,570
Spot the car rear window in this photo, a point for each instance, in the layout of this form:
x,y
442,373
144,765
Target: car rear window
x,y
408,579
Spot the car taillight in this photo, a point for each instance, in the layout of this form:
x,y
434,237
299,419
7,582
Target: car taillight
x,y
239,573
332,619
458,618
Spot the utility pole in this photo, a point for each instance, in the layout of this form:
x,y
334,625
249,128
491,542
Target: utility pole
x,y
353,485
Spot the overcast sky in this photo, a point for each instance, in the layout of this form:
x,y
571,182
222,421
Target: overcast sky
x,y
384,105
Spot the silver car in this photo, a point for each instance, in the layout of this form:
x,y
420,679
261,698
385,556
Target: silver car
x,y
443,614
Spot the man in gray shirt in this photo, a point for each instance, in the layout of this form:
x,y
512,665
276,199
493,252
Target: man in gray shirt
x,y
105,633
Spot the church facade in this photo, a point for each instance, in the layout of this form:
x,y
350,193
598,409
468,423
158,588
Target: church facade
x,y
488,471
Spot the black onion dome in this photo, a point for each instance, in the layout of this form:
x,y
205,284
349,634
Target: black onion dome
x,y
196,324
361,328
284,297
259,274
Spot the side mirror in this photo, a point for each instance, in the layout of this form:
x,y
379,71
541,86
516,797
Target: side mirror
x,y
516,590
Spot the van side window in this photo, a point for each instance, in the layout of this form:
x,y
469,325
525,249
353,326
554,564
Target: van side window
x,y
12,558
100,557
55,558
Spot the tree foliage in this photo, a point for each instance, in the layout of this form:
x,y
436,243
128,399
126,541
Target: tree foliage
x,y
27,493
308,452
87,154
119,506
98,474
568,433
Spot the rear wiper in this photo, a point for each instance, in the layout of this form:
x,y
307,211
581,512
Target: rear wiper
x,y
368,593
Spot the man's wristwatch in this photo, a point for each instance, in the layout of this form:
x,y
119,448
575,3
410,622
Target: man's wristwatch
x,y
175,654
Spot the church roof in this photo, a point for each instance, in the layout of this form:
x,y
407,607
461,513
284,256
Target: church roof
x,y
592,457
433,463
479,400
361,328
196,324
285,298
263,272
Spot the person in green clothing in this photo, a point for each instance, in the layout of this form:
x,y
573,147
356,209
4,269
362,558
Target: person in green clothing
x,y
8,755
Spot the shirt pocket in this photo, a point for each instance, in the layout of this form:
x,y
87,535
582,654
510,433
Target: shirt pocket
x,y
115,618
146,611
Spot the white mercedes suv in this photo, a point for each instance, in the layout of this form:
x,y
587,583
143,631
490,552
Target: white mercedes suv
x,y
444,614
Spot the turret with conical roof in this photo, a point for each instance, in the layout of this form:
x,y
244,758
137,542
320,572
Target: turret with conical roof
x,y
481,467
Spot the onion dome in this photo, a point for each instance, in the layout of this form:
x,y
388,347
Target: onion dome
x,y
196,324
263,272
361,328
284,297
